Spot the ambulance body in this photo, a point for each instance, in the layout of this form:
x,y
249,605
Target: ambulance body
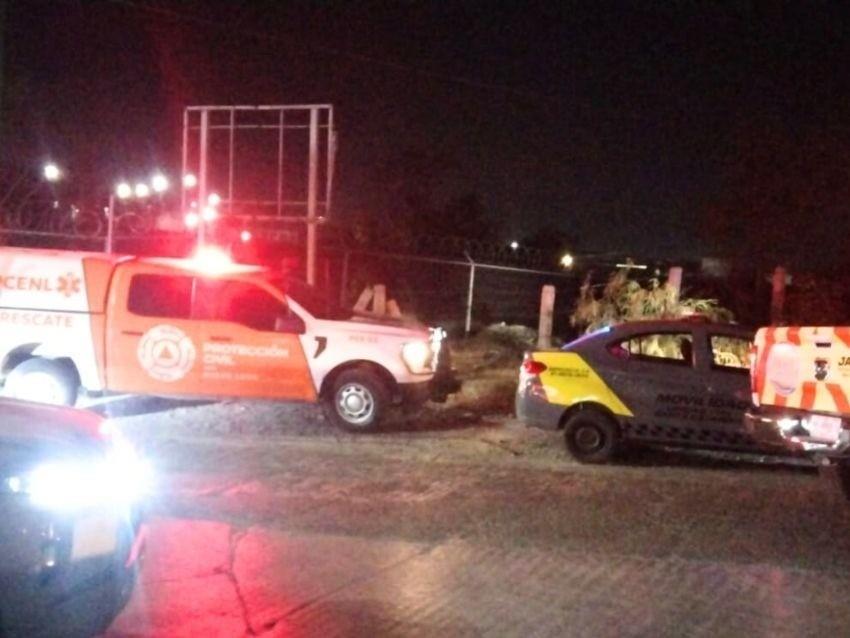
x,y
73,323
801,389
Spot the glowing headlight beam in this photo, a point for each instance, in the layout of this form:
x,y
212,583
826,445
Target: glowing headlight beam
x,y
120,478
417,356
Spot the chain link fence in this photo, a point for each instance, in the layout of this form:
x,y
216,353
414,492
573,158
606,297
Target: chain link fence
x,y
461,295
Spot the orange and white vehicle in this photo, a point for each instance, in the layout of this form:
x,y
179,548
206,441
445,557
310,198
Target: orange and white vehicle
x,y
801,390
74,323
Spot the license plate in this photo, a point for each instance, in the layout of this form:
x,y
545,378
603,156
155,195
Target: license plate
x,y
94,536
824,428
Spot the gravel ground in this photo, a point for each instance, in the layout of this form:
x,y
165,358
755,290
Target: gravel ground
x,y
456,488
487,477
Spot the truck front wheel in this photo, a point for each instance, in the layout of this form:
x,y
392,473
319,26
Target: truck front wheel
x,y
356,401
43,381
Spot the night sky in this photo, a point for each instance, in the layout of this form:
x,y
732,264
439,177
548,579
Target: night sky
x,y
625,125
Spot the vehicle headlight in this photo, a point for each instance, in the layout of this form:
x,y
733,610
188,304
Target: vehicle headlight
x,y
418,356
118,478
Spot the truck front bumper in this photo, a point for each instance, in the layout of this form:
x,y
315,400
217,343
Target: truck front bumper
x,y
785,430
438,389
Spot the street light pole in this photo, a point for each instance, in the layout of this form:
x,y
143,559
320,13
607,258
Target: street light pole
x,y
110,223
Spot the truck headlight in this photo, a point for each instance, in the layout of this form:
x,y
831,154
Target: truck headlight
x,y
119,478
418,357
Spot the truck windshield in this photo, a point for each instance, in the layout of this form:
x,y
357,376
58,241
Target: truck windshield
x,y
312,299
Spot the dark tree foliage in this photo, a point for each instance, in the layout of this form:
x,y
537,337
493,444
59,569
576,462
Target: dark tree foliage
x,y
414,205
785,196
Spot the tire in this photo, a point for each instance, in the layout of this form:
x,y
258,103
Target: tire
x,y
591,437
43,381
357,400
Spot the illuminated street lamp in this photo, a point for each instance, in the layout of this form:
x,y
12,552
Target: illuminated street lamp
x,y
514,245
567,260
123,191
159,183
191,219
142,190
51,172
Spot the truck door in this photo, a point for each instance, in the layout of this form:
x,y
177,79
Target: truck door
x,y
250,345
152,345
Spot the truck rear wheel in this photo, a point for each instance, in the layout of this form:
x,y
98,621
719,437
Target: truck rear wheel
x,y
43,381
357,400
591,437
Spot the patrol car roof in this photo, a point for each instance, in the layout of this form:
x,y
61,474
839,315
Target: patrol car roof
x,y
680,324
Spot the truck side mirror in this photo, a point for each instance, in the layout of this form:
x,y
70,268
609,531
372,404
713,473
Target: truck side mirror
x,y
291,324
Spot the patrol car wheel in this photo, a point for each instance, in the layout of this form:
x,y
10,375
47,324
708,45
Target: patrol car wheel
x,y
43,381
591,437
357,401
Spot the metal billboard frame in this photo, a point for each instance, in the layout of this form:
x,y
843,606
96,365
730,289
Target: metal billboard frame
x,y
320,127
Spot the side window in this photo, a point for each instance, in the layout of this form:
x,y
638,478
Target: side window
x,y
160,296
676,348
729,353
239,302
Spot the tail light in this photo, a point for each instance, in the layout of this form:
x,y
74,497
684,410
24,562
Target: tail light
x,y
533,367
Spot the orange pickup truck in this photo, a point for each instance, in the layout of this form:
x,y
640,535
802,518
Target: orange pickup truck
x,y
74,322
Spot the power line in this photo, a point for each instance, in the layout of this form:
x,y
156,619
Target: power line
x,y
334,52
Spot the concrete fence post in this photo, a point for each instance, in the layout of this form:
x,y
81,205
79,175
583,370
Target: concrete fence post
x,y
547,312
777,296
674,281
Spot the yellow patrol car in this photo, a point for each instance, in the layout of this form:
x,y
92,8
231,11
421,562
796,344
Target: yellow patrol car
x,y
670,383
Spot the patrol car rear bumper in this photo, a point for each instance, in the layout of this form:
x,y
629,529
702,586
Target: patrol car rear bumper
x,y
533,409
784,430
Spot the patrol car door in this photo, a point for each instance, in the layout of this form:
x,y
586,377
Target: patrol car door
x,y
151,344
727,363
250,344
662,387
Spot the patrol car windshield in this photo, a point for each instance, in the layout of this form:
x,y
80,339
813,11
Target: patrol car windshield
x,y
313,300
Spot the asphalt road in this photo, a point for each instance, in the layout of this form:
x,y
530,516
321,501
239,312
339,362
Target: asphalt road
x,y
485,529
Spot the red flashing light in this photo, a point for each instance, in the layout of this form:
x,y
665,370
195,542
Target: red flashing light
x,y
245,236
534,367
212,260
